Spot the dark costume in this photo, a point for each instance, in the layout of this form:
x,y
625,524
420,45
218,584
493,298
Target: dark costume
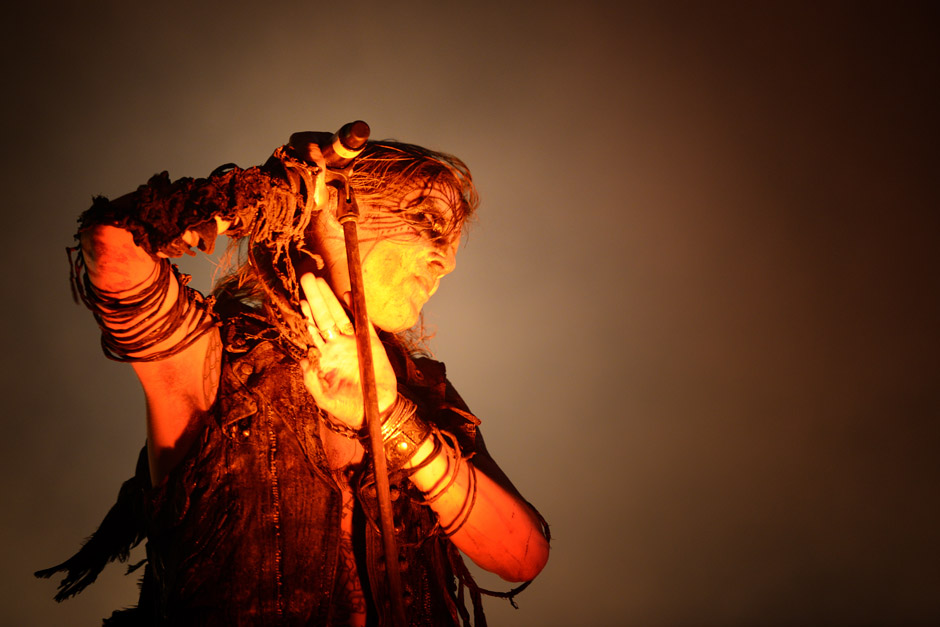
x,y
246,529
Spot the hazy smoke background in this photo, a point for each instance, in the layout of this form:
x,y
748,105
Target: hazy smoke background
x,y
698,316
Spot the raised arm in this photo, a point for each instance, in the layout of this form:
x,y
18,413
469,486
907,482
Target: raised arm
x,y
171,342
147,315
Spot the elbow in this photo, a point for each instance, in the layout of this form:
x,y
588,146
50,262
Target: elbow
x,y
526,572
531,563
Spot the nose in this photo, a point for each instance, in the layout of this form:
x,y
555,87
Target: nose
x,y
444,258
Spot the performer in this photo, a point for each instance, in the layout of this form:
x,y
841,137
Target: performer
x,y
254,494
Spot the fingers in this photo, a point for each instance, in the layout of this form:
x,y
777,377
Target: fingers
x,y
320,312
307,146
311,325
325,316
335,308
222,225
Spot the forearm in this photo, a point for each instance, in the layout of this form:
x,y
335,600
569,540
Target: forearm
x,y
492,525
138,299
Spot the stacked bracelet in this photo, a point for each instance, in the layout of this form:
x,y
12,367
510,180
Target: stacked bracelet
x,y
464,515
450,474
403,433
455,462
133,323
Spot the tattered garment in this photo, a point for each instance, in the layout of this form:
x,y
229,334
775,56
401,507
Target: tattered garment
x,y
246,528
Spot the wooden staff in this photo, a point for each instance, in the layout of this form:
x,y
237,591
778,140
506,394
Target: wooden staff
x,y
347,144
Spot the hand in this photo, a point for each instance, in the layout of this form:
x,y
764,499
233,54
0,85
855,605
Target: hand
x,y
333,379
306,146
191,238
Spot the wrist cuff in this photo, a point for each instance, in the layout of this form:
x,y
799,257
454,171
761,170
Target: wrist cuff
x,y
403,433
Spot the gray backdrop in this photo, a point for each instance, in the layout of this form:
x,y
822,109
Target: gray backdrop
x,y
698,314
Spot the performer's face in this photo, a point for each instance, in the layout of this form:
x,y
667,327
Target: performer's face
x,y
403,255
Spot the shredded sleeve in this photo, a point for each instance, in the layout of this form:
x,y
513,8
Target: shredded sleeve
x,y
270,206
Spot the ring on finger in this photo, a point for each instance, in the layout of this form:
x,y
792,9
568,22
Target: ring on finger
x,y
330,333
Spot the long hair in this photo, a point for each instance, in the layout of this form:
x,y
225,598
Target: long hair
x,y
264,277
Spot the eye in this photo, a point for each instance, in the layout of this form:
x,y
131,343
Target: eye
x,y
430,222
427,214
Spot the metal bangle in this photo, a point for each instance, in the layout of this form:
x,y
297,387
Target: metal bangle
x,y
403,433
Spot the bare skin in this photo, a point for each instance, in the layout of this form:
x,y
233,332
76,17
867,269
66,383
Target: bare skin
x,y
502,533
